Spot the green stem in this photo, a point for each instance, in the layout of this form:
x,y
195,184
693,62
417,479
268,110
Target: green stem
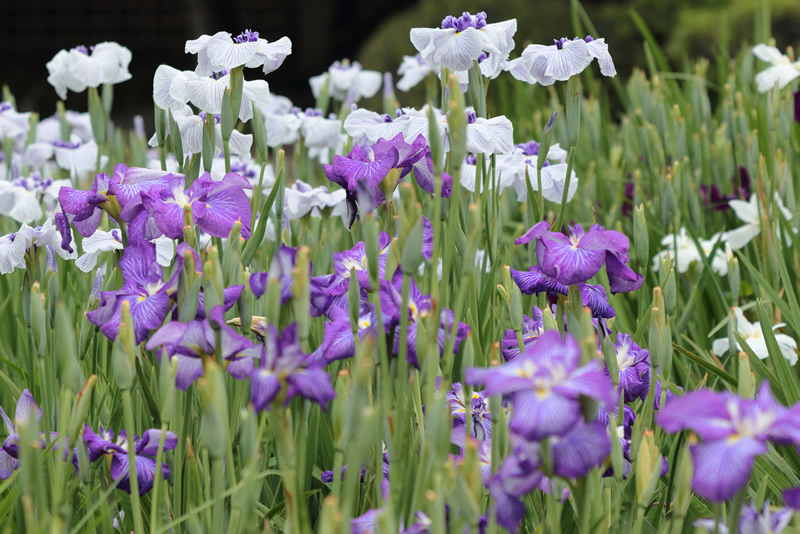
x,y
154,507
134,479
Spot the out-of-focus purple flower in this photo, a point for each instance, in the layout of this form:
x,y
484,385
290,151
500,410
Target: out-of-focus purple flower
x,y
545,383
144,287
215,205
26,411
577,258
797,106
734,431
284,370
146,448
752,521
792,498
195,340
532,328
575,454
281,270
419,306
338,342
481,419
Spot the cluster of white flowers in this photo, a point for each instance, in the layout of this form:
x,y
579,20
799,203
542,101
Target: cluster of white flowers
x,y
82,67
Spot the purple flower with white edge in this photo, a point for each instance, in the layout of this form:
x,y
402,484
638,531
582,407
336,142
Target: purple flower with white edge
x,y
216,206
481,419
544,383
285,371
222,51
461,40
634,368
143,286
146,448
577,258
194,341
734,432
532,328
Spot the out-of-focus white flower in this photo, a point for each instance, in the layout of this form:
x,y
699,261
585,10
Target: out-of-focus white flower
x,y
302,199
75,156
347,79
754,337
484,136
282,121
560,61
12,123
21,199
412,70
748,213
366,127
191,130
684,251
780,72
462,40
83,67
80,125
13,246
323,136
221,51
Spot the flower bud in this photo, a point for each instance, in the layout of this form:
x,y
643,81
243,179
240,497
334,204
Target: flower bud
x,y
683,484
69,369
82,405
641,237
168,370
354,301
515,308
747,381
214,399
213,285
161,126
123,352
734,277
667,281
209,141
38,322
412,250
97,116
648,465
302,292
231,273
227,118
660,335
456,123
259,135
435,142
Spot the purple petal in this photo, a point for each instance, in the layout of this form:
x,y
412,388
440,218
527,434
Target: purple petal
x,y
189,370
722,467
535,232
535,281
581,450
264,387
150,439
313,384
704,412
27,409
621,278
225,204
145,472
594,296
567,263
537,416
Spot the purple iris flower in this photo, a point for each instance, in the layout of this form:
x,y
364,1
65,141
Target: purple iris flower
x,y
479,412
144,287
26,410
734,431
215,205
146,448
280,269
419,306
797,106
284,369
634,368
355,258
532,328
577,258
544,383
534,281
327,476
338,342
193,341
579,450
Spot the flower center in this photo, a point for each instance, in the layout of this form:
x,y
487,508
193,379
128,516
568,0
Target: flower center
x,y
82,49
247,36
465,21
220,74
560,42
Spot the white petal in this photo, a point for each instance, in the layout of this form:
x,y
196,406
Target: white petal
x,y
720,346
12,254
282,129
359,121
165,250
101,241
456,50
770,54
490,136
272,54
223,53
368,82
87,261
572,59
599,49
27,208
255,92
240,144
162,80
741,236
207,93
316,83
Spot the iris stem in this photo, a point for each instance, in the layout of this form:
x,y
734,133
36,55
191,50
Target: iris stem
x,y
132,471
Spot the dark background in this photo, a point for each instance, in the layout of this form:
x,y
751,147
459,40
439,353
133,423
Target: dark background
x,y
322,31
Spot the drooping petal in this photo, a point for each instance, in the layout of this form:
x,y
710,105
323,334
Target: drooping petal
x,y
722,467
538,415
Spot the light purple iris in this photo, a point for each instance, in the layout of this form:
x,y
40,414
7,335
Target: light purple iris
x,y
284,371
577,258
144,287
478,408
419,307
532,328
216,206
281,270
544,383
534,281
574,455
146,448
27,410
752,521
193,341
734,431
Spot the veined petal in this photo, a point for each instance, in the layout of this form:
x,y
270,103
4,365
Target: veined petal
x,y
580,450
456,50
572,59
722,467
539,415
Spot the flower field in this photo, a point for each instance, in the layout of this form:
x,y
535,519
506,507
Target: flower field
x,y
549,298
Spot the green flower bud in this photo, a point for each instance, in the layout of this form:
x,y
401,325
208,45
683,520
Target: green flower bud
x,y
231,273
647,468
38,321
660,335
123,352
69,369
175,139
214,399
301,302
412,250
641,237
97,116
168,370
82,405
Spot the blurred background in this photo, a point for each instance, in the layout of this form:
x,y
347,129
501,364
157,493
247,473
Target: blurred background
x,y
322,31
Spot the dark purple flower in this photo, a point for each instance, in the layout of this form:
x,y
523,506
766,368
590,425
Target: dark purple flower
x,y
545,383
281,269
146,449
792,498
215,205
734,431
634,368
355,258
532,328
284,368
144,287
26,410
193,341
338,342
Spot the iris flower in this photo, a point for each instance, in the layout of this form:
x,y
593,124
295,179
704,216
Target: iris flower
x,y
560,61
26,410
532,328
478,409
82,67
222,51
146,448
752,521
754,337
734,432
344,77
544,383
781,70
